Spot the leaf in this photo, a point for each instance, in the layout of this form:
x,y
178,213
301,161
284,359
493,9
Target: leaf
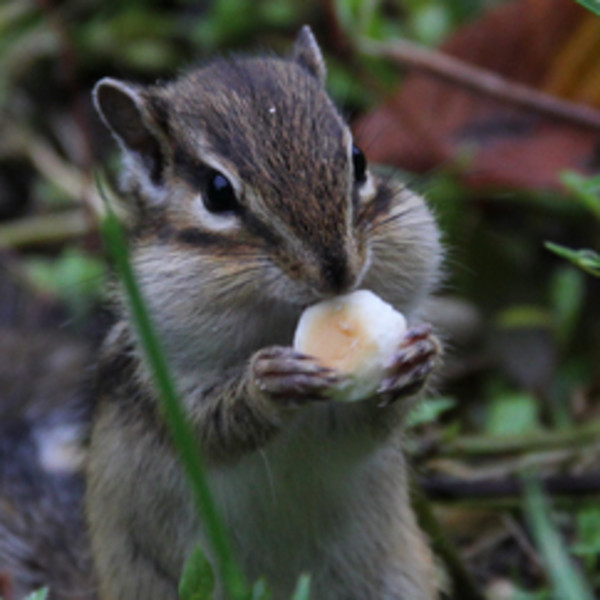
x,y
513,414
593,5
523,595
566,581
39,595
260,591
567,294
588,532
428,410
585,189
588,260
524,316
74,277
73,272
430,122
198,580
302,591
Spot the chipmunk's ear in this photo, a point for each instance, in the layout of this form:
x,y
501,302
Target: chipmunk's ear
x,y
308,54
124,109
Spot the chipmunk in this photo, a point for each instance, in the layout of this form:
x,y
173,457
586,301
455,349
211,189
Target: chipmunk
x,y
251,203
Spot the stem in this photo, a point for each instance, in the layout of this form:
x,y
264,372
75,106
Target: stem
x,y
448,489
182,433
547,440
483,81
566,579
44,229
463,584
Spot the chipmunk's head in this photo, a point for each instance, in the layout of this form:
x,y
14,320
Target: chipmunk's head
x,y
253,202
246,165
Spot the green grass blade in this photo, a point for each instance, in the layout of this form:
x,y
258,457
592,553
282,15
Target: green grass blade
x,y
260,590
566,581
302,591
588,260
180,428
197,581
38,595
593,5
585,189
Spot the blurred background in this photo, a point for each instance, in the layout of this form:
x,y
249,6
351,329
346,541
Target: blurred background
x,y
491,109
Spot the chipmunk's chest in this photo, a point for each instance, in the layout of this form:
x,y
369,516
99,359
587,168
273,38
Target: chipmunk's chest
x,y
220,339
291,504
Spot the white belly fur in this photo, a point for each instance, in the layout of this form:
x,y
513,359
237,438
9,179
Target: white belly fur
x,y
302,501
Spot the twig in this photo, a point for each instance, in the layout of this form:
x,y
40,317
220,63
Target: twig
x,y
486,543
566,581
483,81
486,445
463,584
451,489
52,166
70,67
75,183
522,541
45,229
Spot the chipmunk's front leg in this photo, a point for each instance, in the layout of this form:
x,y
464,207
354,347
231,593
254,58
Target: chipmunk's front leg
x,y
404,378
247,412
416,357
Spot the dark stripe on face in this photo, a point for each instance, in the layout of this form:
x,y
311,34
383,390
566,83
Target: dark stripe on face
x,y
260,229
196,237
220,244
191,236
194,173
378,205
190,169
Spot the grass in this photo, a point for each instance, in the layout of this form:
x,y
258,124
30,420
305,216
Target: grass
x,y
183,437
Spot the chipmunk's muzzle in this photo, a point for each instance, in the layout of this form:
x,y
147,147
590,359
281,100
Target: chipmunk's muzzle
x,y
337,275
341,268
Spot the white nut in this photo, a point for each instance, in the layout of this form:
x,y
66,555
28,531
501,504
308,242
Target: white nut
x,y
356,334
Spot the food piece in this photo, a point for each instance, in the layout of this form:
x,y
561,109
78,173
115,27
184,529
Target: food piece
x,y
356,334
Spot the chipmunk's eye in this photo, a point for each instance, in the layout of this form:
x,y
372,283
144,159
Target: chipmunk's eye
x,y
359,162
220,196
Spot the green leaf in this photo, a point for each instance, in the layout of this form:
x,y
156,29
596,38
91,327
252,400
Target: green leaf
x,y
260,591
523,315
302,591
523,595
567,295
428,410
588,533
585,189
588,260
74,277
430,22
593,5
198,580
566,580
39,595
512,414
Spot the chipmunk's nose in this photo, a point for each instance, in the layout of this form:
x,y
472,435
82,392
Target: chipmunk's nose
x,y
338,273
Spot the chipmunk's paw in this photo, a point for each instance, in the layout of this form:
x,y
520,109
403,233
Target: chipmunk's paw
x,y
416,357
292,379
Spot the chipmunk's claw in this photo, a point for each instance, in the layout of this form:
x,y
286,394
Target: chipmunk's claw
x,y
416,357
293,379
